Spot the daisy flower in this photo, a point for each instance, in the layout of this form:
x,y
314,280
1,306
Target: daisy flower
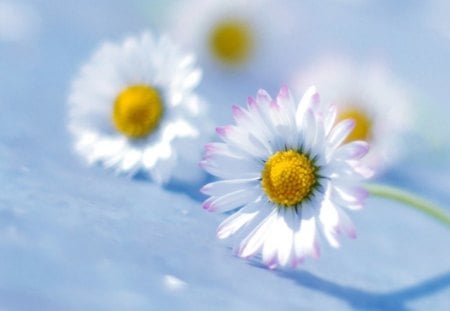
x,y
132,108
374,98
232,34
287,169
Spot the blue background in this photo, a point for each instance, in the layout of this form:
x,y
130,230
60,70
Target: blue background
x,y
74,237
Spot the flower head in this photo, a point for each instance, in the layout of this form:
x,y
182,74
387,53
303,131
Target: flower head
x,y
287,172
232,34
132,108
374,98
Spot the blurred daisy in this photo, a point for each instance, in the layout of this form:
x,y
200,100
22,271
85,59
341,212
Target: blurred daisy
x,y
132,108
287,168
232,34
371,96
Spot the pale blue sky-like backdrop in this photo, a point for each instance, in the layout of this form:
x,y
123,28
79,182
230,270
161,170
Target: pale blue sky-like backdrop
x,y
74,237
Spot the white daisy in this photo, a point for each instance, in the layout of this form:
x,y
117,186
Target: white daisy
x,y
234,34
132,108
287,168
378,102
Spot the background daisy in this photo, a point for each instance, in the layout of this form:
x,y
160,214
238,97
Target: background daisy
x,y
285,165
381,105
234,35
132,107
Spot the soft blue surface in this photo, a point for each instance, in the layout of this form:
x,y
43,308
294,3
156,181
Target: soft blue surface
x,y
78,238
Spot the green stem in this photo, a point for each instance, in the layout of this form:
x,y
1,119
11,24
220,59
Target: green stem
x,y
407,198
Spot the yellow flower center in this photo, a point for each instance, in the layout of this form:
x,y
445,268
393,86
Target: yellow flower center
x,y
363,123
288,177
231,42
137,111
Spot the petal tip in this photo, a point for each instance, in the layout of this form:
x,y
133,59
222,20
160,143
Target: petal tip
x,y
284,91
237,111
222,131
207,206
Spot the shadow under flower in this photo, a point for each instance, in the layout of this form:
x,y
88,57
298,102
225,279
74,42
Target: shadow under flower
x,y
361,299
192,190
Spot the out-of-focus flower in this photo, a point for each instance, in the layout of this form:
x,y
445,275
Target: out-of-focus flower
x,y
132,108
233,34
288,169
18,21
378,102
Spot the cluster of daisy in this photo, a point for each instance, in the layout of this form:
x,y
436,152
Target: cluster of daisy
x,y
288,170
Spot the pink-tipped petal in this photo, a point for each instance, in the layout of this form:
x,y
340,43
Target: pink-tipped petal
x,y
237,111
209,147
364,171
274,107
263,97
316,250
284,92
350,195
297,261
207,203
315,98
223,130
309,99
306,103
251,101
272,263
354,150
345,224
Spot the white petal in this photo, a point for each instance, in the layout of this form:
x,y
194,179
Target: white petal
x,y
286,233
254,240
131,160
352,197
271,243
231,172
339,133
239,219
345,224
286,101
238,138
193,79
335,221
352,151
232,200
305,238
308,130
161,172
330,119
253,126
225,186
308,100
244,167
